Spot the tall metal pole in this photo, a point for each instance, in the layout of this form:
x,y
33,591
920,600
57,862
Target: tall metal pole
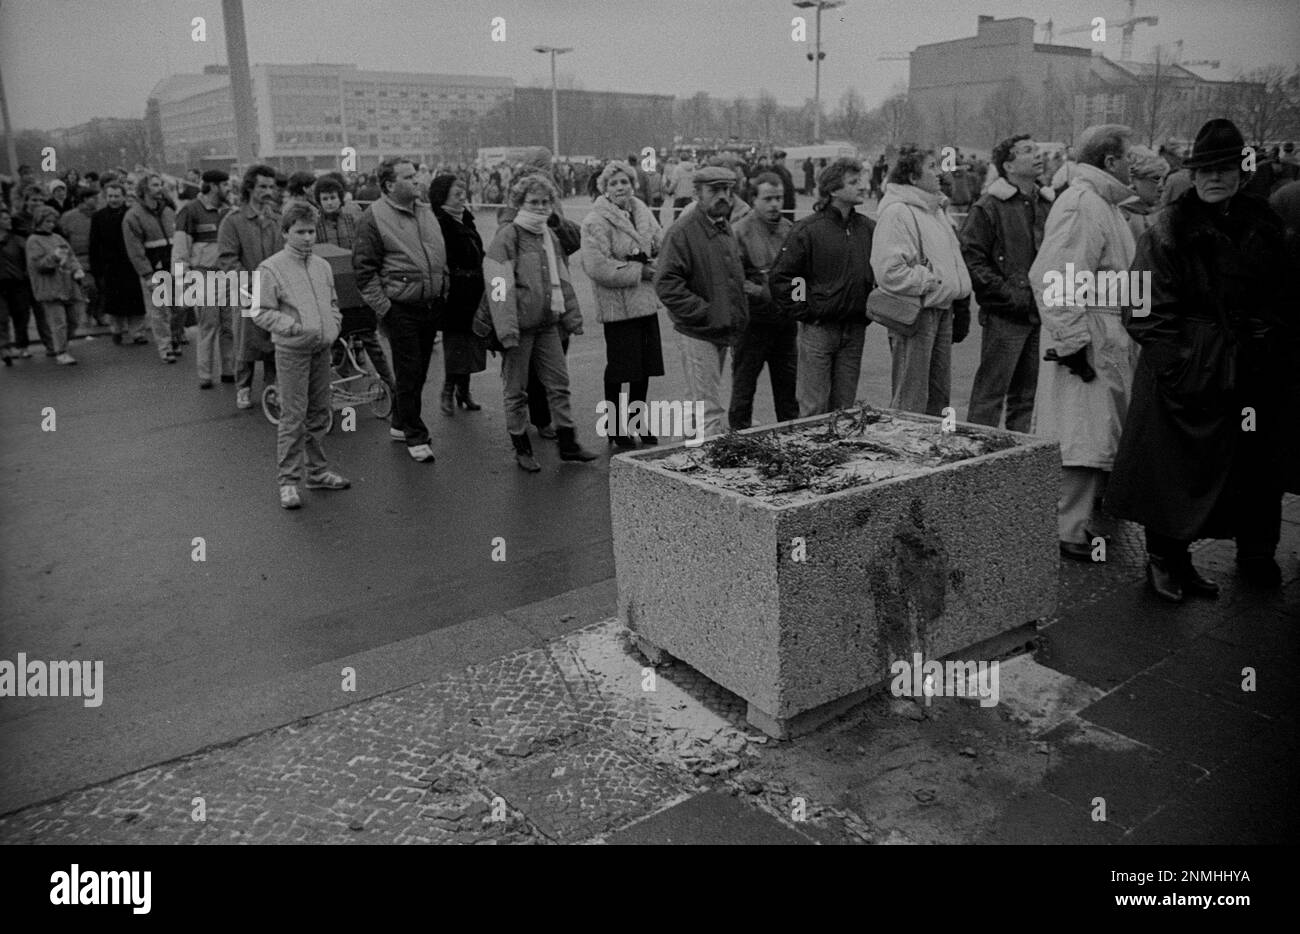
x,y
241,82
817,81
11,147
555,112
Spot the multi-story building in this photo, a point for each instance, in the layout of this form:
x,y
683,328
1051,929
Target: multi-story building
x,y
968,92
1160,100
971,92
308,114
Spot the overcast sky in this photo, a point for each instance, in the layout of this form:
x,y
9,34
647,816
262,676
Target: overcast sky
x,y
66,61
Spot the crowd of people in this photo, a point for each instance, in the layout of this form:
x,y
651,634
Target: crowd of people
x,y
1146,397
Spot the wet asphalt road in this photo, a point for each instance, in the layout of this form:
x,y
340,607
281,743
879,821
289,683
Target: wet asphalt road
x,y
98,520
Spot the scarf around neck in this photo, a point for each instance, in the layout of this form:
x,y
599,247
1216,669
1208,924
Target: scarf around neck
x,y
457,215
536,224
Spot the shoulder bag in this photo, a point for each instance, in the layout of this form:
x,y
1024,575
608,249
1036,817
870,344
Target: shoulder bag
x,y
899,313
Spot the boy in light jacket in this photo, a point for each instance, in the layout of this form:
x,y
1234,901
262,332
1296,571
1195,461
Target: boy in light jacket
x,y
297,304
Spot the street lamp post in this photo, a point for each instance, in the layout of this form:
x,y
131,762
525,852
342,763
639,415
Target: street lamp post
x,y
555,96
816,59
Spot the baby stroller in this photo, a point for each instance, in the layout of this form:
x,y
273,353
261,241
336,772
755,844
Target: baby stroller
x,y
353,378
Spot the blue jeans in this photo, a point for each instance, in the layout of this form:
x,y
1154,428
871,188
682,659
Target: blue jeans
x,y
304,390
540,353
830,362
771,343
1008,371
921,375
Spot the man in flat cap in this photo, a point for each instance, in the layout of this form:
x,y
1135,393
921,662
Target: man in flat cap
x,y
700,279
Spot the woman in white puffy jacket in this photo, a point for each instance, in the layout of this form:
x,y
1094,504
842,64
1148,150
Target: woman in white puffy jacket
x,y
620,238
911,221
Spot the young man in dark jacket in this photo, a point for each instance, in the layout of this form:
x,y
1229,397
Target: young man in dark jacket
x,y
700,280
999,241
822,279
770,337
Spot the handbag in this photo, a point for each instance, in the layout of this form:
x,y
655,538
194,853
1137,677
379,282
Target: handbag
x,y
899,313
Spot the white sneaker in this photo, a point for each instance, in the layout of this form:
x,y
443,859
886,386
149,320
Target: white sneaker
x,y
244,399
422,453
65,359
289,498
397,434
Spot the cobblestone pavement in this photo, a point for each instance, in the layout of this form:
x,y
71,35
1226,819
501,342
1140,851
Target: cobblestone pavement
x,y
580,740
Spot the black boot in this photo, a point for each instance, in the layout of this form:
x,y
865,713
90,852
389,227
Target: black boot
x,y
570,449
1162,575
524,453
448,407
1194,583
463,397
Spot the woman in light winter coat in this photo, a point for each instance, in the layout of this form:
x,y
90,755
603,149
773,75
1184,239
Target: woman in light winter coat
x,y
55,276
527,317
911,221
620,237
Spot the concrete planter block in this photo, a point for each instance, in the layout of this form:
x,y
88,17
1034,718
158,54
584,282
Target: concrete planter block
x,y
933,562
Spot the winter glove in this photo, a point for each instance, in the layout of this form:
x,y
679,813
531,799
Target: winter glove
x,y
1077,363
960,319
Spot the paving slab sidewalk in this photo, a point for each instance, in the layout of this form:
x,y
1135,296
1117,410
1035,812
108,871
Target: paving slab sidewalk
x,y
1128,707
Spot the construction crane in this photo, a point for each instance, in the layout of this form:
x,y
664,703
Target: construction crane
x,y
1126,27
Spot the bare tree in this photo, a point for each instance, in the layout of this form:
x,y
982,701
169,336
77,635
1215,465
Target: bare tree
x,y
767,108
850,117
1261,104
1057,102
1003,108
947,121
897,116
740,107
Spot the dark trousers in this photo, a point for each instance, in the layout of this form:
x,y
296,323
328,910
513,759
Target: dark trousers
x,y
17,295
539,410
762,343
1253,496
679,205
637,390
411,330
1008,373
16,306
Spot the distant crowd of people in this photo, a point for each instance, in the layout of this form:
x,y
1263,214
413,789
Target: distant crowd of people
x,y
1147,395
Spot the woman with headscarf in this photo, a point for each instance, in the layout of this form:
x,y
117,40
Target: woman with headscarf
x,y
1201,455
620,237
463,353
